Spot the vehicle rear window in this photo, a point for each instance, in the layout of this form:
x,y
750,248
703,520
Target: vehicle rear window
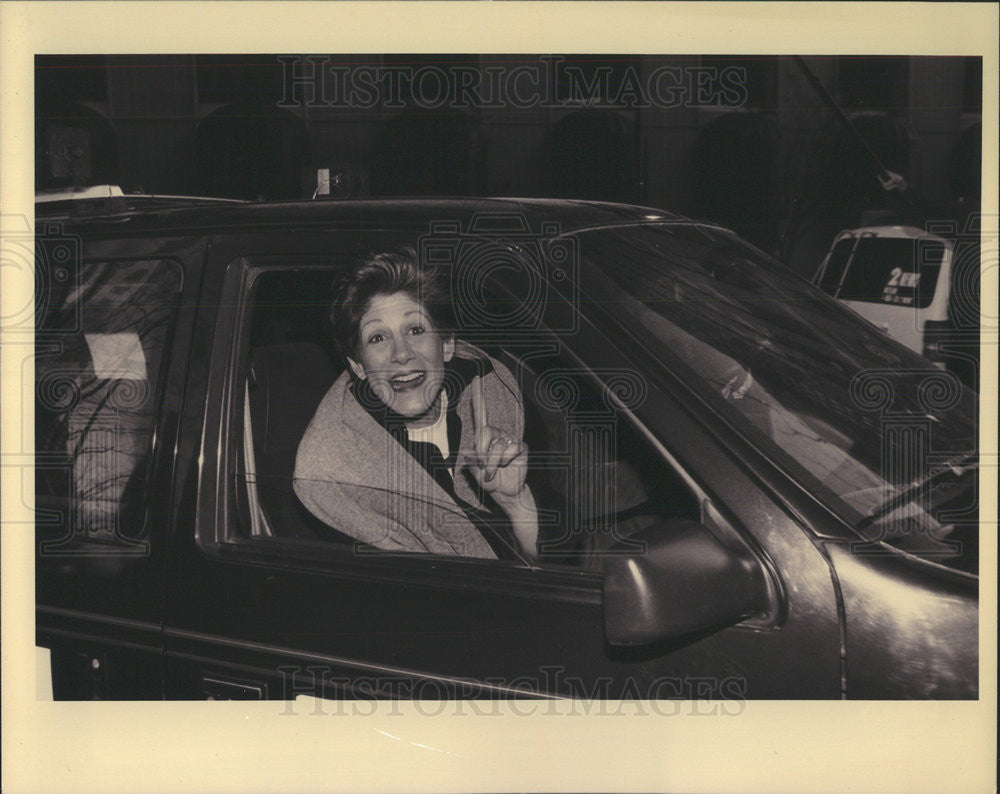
x,y
893,270
834,271
100,349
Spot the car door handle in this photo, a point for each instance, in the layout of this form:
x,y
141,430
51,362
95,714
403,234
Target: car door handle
x,y
220,689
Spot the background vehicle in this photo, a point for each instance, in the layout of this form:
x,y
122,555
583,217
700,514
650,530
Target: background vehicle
x,y
745,491
920,288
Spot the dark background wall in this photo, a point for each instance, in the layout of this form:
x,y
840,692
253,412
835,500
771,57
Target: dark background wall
x,y
741,140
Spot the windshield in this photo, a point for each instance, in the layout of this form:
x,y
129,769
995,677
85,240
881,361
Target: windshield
x,y
856,417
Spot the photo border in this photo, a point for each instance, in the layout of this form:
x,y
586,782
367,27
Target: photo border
x,y
771,746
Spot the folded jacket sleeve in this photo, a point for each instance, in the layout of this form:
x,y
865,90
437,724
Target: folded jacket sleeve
x,y
390,521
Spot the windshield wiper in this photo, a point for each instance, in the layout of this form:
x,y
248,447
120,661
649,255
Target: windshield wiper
x,y
956,467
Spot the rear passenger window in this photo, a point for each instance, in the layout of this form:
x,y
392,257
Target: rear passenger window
x,y
99,359
894,270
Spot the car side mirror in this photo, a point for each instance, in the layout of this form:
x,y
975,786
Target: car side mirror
x,y
685,580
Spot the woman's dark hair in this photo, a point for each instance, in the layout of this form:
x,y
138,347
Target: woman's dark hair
x,y
386,274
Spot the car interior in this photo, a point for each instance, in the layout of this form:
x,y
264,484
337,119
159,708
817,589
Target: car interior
x,y
602,480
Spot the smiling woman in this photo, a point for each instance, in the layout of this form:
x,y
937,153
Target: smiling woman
x,y
417,445
402,357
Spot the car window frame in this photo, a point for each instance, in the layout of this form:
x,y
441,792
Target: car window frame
x,y
218,498
135,541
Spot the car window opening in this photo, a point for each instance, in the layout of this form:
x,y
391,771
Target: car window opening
x,y
594,479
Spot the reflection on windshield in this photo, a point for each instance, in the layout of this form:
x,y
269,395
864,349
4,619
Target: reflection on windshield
x,y
862,417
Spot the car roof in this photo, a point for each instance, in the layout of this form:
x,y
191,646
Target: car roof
x,y
196,216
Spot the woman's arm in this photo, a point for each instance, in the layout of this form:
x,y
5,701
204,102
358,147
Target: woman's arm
x,y
523,515
501,472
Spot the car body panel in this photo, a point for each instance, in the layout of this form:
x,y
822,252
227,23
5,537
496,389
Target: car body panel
x,y
915,648
82,614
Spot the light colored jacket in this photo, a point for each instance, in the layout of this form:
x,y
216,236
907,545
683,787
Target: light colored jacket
x,y
351,474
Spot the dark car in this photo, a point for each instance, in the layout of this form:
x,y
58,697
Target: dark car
x,y
744,490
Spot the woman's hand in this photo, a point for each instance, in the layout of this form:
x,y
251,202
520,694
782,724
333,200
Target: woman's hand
x,y
501,467
501,460
502,464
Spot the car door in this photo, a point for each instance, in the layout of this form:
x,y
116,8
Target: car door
x,y
264,604
110,364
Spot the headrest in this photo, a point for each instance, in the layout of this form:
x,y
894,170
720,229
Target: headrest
x,y
287,382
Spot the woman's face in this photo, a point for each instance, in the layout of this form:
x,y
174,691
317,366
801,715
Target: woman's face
x,y
402,356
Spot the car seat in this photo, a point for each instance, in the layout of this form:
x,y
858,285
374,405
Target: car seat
x,y
286,383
